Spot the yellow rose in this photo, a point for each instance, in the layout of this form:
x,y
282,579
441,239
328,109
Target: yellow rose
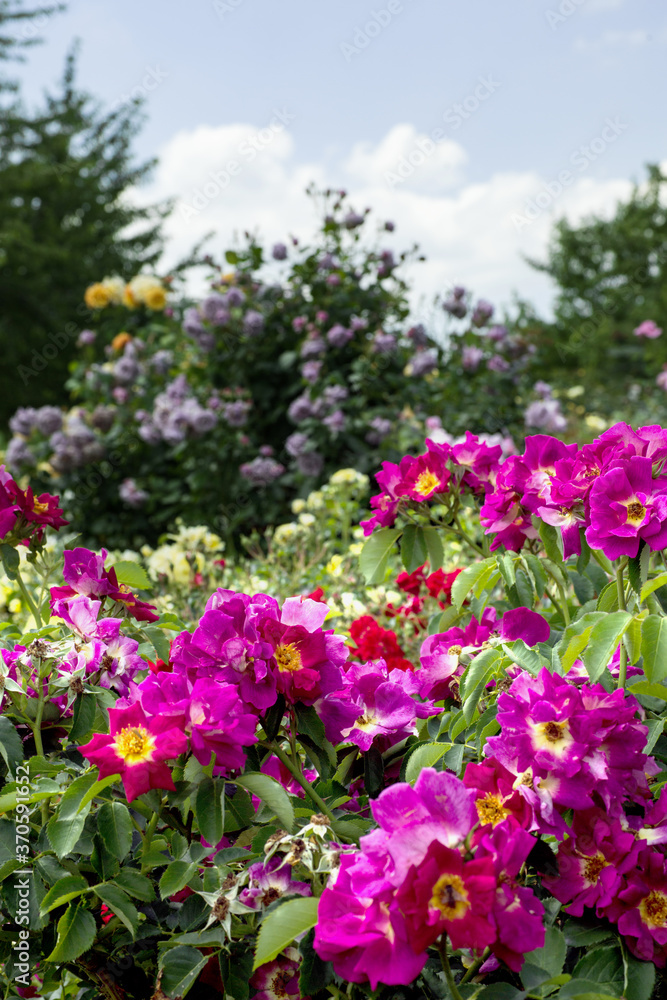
x,y
155,298
129,300
120,340
96,296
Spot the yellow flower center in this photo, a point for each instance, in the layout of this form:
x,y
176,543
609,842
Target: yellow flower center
x,y
365,722
636,512
654,909
134,744
288,658
450,897
454,650
39,507
425,483
490,809
592,868
553,736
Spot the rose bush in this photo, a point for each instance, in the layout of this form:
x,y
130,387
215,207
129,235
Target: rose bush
x,y
256,804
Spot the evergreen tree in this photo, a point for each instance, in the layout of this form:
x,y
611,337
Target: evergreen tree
x,y
65,222
19,29
611,275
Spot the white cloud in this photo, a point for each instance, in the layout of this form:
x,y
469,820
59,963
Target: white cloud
x,y
425,164
468,231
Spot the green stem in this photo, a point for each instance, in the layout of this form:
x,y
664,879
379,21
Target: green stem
x,y
458,530
28,599
623,659
442,948
474,968
305,784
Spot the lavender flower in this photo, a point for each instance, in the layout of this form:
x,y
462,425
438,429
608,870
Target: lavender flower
x,y
234,297
417,335
471,357
358,323
162,361
339,336
482,313
335,421
86,338
297,444
424,362
497,334
126,370
19,454
301,408
236,413
312,347
311,371
310,464
130,493
103,417
380,428
334,394
48,419
547,415
498,364
212,306
262,471
352,220
279,251
384,343
23,420
298,323
253,323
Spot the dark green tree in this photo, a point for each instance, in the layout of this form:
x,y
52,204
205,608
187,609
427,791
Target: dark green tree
x,y
19,29
65,170
611,275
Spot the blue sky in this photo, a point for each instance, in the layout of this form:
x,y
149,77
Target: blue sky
x,y
484,103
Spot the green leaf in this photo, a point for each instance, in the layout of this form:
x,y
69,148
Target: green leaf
x,y
655,729
11,746
115,826
654,647
476,670
239,811
632,640
132,575
551,957
180,969
436,553
524,589
209,808
63,834
282,925
63,891
466,580
575,648
552,541
10,560
608,599
375,554
314,972
638,568
119,903
159,640
76,933
424,756
272,793
651,585
176,877
102,860
605,637
639,978
84,718
537,572
526,657
73,798
413,548
135,884
603,966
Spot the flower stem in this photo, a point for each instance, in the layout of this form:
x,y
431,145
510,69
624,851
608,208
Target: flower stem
x,y
474,968
442,948
623,658
305,784
28,599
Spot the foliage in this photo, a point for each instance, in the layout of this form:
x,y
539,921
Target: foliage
x,y
610,278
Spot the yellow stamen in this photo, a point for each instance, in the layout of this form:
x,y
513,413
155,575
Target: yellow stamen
x,y
450,897
490,809
134,744
654,909
425,483
288,658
